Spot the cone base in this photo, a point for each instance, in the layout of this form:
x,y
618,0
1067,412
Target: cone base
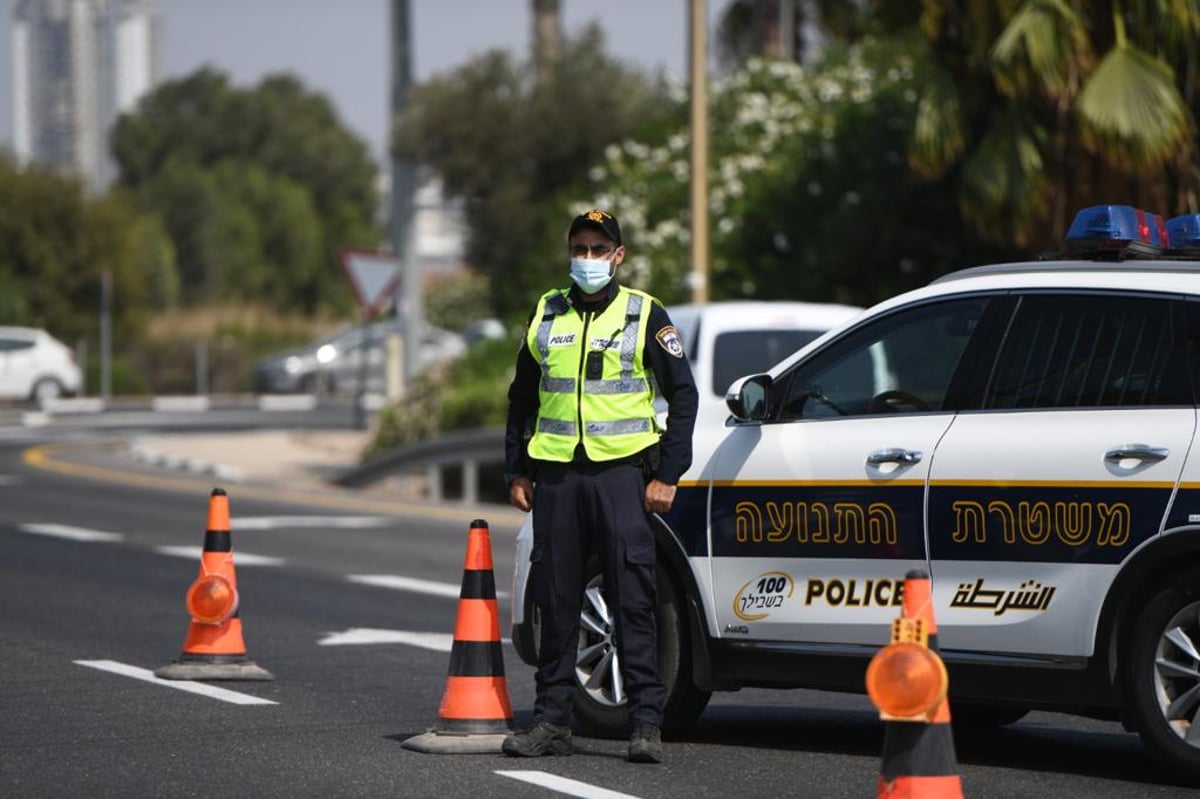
x,y
193,667
492,726
434,742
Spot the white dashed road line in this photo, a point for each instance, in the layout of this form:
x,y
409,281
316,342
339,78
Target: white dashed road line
x,y
10,480
399,583
357,636
223,694
239,558
69,532
318,522
564,785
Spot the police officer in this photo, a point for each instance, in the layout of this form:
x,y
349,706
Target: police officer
x,y
585,453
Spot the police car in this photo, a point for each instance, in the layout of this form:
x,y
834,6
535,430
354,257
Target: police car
x,y
1023,432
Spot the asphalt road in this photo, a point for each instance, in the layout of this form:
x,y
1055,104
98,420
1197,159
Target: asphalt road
x,y
96,572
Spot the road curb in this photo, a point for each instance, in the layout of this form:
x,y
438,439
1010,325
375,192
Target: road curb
x,y
142,453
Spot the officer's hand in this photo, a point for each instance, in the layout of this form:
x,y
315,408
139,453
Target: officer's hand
x,y
659,496
520,494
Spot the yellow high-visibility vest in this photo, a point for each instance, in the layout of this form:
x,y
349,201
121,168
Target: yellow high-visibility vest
x,y
610,408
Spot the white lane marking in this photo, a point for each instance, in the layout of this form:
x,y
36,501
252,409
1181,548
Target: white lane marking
x,y
239,558
398,583
69,532
564,785
339,522
357,636
224,694
10,480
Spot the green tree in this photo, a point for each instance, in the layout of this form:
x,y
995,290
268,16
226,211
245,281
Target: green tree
x,y
257,187
514,148
751,29
1044,106
56,242
810,195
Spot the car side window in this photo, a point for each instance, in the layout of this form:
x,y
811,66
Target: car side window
x,y
1192,313
1084,351
743,352
902,363
15,344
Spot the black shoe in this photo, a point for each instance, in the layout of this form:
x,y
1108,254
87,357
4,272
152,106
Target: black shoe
x,y
645,745
542,739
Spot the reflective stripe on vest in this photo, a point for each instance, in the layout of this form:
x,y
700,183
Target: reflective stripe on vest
x,y
616,408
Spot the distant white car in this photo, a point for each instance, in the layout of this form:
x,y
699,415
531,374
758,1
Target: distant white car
x,y
35,365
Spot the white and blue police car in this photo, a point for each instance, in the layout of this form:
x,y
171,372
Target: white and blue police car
x,y
1026,433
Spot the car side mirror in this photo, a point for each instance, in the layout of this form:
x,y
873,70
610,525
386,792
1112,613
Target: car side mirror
x,y
747,398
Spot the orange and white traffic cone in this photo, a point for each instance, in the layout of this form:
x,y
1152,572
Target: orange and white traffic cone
x,y
475,714
213,648
908,682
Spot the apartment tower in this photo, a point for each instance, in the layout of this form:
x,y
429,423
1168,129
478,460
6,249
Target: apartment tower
x,y
78,65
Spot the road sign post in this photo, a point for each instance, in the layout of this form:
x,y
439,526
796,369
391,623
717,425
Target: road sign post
x,y
374,277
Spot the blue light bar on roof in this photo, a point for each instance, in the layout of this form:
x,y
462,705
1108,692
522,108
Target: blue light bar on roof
x,y
1184,232
1118,227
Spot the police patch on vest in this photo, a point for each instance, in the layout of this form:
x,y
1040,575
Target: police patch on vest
x,y
599,343
668,339
561,340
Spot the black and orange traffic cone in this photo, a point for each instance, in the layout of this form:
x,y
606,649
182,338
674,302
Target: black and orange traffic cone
x,y
908,682
475,714
213,648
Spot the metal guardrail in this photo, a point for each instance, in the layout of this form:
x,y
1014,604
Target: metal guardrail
x,y
469,449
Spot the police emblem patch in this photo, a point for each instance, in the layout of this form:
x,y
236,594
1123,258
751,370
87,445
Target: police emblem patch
x,y
669,340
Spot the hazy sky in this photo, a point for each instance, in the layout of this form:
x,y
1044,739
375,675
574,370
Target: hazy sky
x,y
340,47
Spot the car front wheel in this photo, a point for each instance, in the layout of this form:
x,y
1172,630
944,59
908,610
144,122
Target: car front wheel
x,y
600,700
1163,677
46,390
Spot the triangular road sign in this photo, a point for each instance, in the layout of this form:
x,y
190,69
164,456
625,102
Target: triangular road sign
x,y
374,276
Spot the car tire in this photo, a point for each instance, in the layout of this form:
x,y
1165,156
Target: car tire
x,y
45,390
596,713
1162,681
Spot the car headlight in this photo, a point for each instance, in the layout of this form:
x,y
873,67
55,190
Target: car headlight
x,y
326,353
292,365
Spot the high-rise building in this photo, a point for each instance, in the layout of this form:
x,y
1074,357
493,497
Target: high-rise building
x,y
77,65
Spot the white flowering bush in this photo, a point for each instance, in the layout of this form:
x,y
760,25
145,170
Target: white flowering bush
x,y
824,142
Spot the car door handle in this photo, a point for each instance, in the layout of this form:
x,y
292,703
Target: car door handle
x,y
894,455
1142,452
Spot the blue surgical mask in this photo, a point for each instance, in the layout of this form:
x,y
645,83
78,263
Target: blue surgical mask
x,y
591,274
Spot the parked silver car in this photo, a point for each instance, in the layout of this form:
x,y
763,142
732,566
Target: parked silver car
x,y
334,364
35,365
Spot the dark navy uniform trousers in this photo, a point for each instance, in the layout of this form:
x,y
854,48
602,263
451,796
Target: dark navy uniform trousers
x,y
580,510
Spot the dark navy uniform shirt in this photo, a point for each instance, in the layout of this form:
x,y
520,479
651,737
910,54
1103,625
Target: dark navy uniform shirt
x,y
672,374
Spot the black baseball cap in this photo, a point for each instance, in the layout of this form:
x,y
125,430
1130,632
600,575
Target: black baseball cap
x,y
601,220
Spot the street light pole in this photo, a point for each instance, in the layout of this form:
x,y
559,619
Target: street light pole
x,y
408,300
106,335
699,152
